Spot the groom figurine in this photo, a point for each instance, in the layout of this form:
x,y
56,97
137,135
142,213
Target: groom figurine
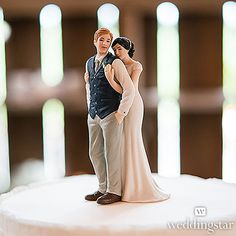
x,y
106,109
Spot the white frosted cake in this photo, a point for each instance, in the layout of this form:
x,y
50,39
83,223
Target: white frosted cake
x,y
196,207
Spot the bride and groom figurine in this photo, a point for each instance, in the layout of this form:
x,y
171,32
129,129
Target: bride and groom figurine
x,y
115,115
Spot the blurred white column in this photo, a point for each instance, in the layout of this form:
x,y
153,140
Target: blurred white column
x,y
51,45
168,109
229,89
52,75
53,139
108,17
4,146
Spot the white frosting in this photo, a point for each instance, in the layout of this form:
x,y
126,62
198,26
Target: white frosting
x,y
58,209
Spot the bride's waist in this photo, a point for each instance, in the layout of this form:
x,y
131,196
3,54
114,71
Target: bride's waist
x,y
137,96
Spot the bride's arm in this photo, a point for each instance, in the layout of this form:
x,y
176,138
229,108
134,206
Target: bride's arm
x,y
137,70
109,73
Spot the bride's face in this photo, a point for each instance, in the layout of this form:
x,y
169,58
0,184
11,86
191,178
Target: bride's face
x,y
120,52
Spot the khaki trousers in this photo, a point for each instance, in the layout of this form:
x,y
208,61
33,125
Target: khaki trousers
x,y
105,152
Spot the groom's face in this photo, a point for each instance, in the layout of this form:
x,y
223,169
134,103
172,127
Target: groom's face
x,y
103,43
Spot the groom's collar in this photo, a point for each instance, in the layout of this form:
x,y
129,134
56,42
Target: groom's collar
x,y
101,57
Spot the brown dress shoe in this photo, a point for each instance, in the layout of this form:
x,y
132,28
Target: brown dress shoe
x,y
108,198
93,196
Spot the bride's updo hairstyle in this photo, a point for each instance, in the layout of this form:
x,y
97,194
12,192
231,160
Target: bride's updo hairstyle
x,y
125,43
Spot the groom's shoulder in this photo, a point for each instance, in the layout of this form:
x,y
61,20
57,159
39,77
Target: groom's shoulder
x,y
89,63
91,58
111,56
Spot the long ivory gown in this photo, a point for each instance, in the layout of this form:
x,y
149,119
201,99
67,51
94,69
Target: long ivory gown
x,y
138,184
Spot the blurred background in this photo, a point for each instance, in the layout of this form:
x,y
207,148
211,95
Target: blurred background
x,y
187,94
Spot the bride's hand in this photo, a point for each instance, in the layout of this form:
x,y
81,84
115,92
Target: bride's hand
x,y
119,117
86,77
109,72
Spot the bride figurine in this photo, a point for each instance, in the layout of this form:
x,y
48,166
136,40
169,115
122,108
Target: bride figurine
x,y
138,184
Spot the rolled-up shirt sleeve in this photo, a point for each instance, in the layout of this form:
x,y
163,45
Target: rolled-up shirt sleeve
x,y
87,94
87,87
126,83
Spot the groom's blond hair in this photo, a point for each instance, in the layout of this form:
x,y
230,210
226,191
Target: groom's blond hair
x,y
101,32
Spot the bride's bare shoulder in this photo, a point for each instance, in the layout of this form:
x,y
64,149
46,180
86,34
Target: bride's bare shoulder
x,y
137,65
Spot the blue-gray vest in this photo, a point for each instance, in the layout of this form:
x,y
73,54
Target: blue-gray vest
x,y
103,98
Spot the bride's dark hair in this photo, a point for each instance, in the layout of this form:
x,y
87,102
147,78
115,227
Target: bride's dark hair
x,y
125,43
